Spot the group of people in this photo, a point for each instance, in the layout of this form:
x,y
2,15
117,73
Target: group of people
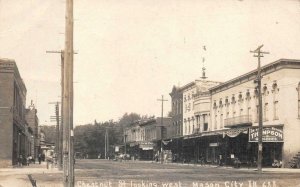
x,y
22,160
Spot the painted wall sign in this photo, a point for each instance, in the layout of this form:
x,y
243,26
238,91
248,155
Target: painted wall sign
x,y
270,134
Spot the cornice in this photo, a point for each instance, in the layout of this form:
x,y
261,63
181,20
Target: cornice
x,y
265,70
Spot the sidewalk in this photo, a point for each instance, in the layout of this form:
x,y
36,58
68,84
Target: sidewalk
x,y
264,170
20,176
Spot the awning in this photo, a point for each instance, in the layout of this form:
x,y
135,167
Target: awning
x,y
235,132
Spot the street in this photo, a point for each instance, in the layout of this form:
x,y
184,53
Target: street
x,y
147,174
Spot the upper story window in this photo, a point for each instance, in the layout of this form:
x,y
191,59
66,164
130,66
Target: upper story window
x,y
221,106
205,123
298,89
233,103
266,104
275,91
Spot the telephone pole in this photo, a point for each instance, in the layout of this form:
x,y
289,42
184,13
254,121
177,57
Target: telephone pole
x,y
161,125
106,141
68,141
60,155
258,53
57,119
125,136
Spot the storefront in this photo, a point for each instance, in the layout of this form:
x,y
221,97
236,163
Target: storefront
x,y
146,150
241,144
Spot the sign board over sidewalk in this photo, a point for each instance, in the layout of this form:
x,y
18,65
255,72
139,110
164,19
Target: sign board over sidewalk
x,y
270,134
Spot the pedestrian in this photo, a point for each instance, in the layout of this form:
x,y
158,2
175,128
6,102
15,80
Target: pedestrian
x,y
40,158
20,159
220,160
28,160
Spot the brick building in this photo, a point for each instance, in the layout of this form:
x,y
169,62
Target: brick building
x,y
15,136
33,122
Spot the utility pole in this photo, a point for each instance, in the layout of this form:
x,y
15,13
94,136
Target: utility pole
x,y
61,127
57,119
161,125
68,141
258,53
60,155
106,141
125,136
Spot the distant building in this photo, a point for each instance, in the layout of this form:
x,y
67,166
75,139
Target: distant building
x,y
33,123
15,136
143,137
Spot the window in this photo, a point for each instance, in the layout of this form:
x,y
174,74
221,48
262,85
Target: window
x,y
275,91
205,124
227,108
221,121
240,103
276,110
173,107
189,126
266,112
233,105
257,113
185,126
216,122
298,89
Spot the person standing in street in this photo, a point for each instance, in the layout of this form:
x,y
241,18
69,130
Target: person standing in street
x,y
20,159
40,158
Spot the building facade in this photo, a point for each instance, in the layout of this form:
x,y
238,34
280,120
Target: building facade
x,y
235,108
15,136
143,139
176,110
33,122
220,122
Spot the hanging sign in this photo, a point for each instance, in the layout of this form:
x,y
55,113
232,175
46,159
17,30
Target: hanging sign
x,y
269,134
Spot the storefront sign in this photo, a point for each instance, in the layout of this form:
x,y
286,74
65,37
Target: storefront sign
x,y
213,144
270,134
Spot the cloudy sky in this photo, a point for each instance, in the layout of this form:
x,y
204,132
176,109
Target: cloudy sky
x,y
131,52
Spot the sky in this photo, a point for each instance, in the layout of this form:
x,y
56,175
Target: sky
x,y
132,52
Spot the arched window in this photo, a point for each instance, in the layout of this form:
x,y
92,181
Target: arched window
x,y
248,98
240,101
275,91
227,107
233,105
221,113
265,103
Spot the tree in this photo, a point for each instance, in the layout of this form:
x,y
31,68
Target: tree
x,y
50,133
